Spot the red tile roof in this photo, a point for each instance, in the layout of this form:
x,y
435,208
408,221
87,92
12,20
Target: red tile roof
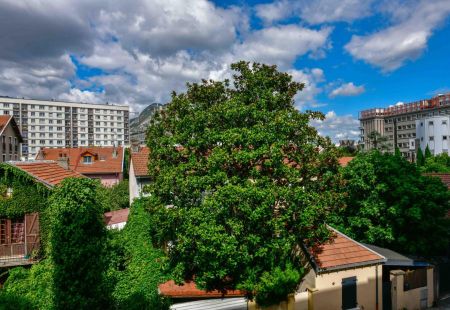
x,y
445,177
4,120
190,290
46,172
116,217
342,252
140,161
103,161
343,161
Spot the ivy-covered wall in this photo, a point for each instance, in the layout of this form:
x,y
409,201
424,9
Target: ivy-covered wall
x,y
27,195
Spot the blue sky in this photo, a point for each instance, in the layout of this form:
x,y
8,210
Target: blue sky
x,y
351,54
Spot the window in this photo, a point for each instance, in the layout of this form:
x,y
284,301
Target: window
x,y
444,122
444,138
87,159
430,123
41,107
421,124
41,114
431,138
4,157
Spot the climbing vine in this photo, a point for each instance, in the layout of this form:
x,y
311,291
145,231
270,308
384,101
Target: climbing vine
x,y
20,193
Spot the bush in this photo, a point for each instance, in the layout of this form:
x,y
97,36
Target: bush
x,y
77,243
28,288
137,286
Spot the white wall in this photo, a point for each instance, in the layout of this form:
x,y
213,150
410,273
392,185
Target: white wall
x,y
434,132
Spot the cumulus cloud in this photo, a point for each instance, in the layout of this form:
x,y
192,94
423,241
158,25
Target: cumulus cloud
x,y
405,40
315,12
140,50
311,78
337,127
347,89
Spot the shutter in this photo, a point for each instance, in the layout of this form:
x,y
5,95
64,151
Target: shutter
x,y
32,232
349,293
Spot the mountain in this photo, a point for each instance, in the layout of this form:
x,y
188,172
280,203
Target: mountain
x,y
139,124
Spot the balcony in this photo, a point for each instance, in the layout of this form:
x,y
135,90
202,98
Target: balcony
x,y
17,254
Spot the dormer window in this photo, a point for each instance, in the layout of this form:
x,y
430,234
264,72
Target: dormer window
x,y
87,159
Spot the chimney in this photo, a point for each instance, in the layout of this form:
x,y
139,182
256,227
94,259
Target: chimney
x,y
63,162
114,153
135,146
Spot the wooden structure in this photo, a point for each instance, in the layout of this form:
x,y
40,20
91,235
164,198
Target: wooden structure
x,y
19,240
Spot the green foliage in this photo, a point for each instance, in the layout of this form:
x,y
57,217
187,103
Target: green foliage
x,y
391,204
28,288
439,163
137,283
239,180
420,157
27,195
428,153
378,141
126,163
115,197
76,245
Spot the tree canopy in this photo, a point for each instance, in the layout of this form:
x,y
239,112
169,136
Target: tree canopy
x,y
77,239
240,181
391,204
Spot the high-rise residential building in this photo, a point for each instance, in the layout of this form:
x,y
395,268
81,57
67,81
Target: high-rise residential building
x,y
48,123
398,123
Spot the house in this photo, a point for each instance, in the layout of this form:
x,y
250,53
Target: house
x,y
343,274
95,162
407,283
138,174
30,183
10,137
116,219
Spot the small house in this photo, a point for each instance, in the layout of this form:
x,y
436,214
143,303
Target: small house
x,y
138,171
95,162
10,138
24,189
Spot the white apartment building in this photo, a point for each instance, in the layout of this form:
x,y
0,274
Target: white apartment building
x,y
434,132
48,123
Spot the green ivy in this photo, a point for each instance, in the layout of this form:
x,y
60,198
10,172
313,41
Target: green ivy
x,y
28,195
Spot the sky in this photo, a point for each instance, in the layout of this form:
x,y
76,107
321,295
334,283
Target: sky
x,y
350,54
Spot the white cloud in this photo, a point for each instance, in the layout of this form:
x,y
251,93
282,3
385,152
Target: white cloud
x,y
141,49
405,40
281,45
315,12
347,89
311,78
337,127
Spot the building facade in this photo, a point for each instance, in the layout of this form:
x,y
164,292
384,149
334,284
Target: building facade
x,y
434,133
10,139
46,123
397,124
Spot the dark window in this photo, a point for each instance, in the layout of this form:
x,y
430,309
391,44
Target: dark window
x,y
349,293
87,159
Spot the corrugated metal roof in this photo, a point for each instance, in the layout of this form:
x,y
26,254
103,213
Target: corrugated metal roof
x,y
213,304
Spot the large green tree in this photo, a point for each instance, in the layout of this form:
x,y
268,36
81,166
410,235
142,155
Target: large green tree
x,y
240,181
77,239
391,204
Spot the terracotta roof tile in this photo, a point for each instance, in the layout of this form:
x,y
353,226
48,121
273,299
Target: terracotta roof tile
x,y
103,160
343,161
47,172
116,217
342,251
4,120
445,177
190,290
140,161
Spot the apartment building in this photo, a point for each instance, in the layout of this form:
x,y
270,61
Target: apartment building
x,y
48,123
398,123
434,132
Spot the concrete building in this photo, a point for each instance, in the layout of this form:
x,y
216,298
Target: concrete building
x,y
398,123
45,123
10,139
433,132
